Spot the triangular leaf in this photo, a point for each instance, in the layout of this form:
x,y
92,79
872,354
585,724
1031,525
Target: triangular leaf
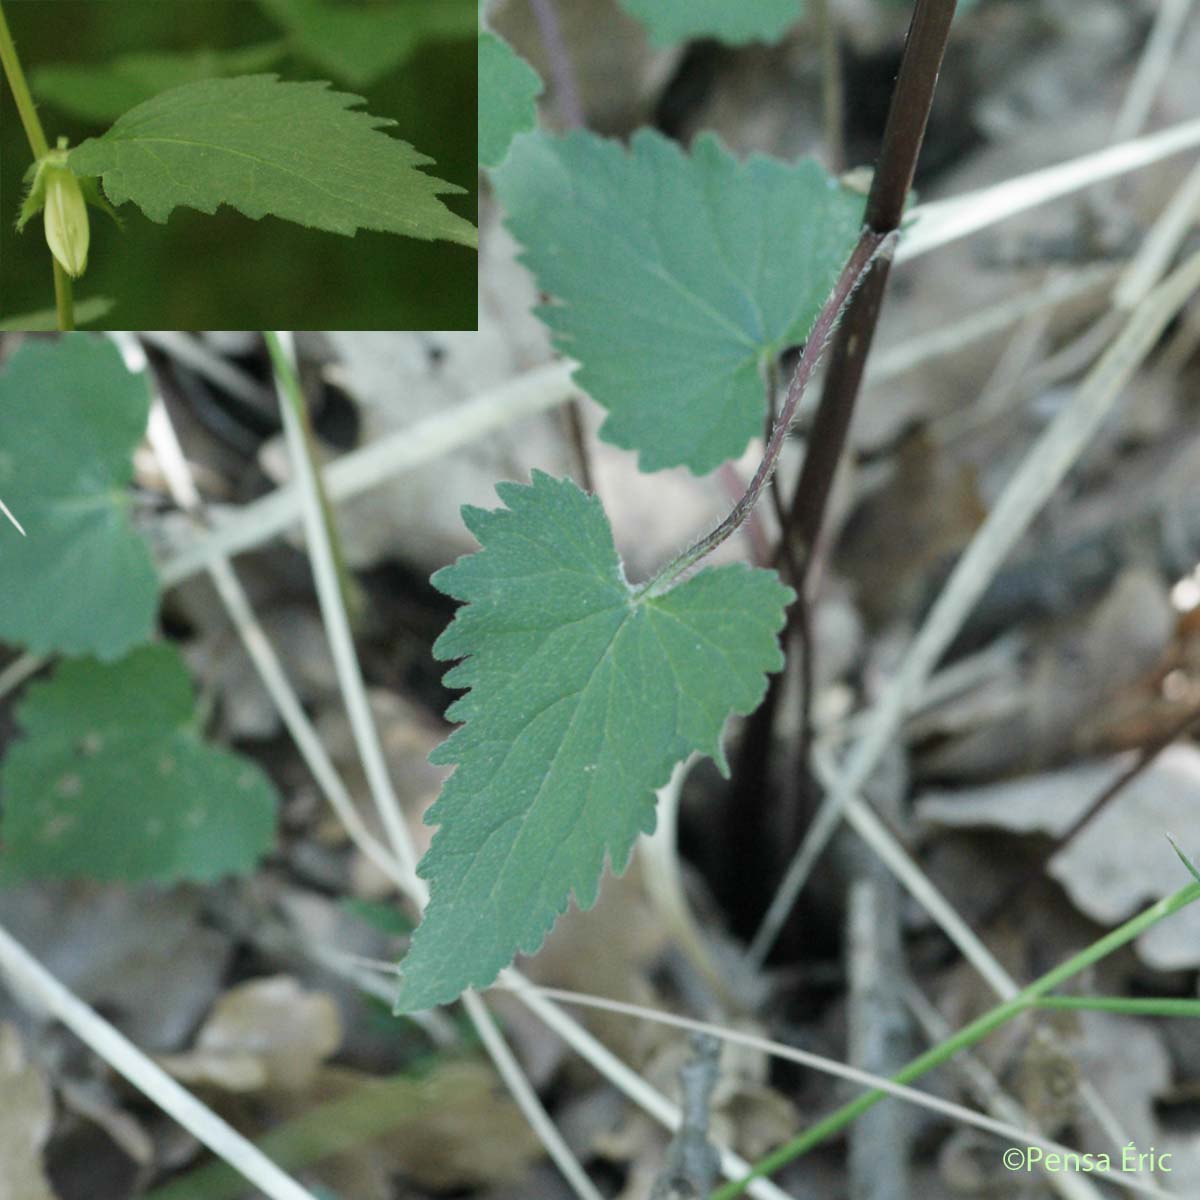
x,y
101,92
508,87
360,43
677,276
584,694
112,780
672,21
82,582
294,150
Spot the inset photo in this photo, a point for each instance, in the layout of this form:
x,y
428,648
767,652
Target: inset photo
x,y
228,164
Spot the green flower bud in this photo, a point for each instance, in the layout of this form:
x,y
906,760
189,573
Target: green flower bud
x,y
66,216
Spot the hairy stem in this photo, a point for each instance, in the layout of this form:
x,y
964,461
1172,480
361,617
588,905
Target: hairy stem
x,y
1027,998
34,133
871,245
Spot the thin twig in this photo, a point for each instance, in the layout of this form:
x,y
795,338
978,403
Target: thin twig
x,y
193,353
577,436
1069,1184
287,371
692,1162
31,982
1152,67
1009,1130
941,222
562,68
5,510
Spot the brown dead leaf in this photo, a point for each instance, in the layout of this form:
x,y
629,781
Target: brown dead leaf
x,y
452,1128
1121,860
26,1116
1085,673
924,513
608,951
268,1033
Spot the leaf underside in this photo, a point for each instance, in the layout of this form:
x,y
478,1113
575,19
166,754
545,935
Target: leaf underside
x,y
291,150
112,781
582,698
508,88
672,21
672,280
82,581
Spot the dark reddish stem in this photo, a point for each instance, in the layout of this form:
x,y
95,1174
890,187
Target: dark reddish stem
x,y
902,138
912,99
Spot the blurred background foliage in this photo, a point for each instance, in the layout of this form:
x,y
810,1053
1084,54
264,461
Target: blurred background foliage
x,y
226,271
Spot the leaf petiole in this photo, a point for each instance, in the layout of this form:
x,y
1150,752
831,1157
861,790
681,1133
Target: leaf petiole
x,y
871,247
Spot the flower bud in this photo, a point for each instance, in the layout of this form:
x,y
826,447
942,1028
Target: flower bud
x,y
66,218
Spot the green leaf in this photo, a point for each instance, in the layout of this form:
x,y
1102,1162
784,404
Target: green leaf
x,y
672,21
87,312
584,694
82,581
101,92
508,87
1192,869
677,276
112,780
293,150
361,43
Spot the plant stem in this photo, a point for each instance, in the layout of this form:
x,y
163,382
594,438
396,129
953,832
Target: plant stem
x,y
831,85
294,396
20,90
1140,1006
902,138
63,304
967,1036
36,136
871,245
566,88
